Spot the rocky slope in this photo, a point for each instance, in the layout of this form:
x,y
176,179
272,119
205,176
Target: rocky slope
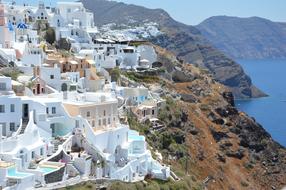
x,y
246,38
225,145
183,40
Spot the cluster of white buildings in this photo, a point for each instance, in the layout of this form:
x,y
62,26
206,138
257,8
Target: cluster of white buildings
x,y
62,118
20,43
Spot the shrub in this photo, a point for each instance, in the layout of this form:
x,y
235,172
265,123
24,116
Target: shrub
x,y
63,44
50,35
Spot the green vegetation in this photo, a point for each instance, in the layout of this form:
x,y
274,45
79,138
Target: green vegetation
x,y
65,53
138,77
50,35
150,185
147,185
138,43
11,72
30,84
115,74
63,44
171,111
170,142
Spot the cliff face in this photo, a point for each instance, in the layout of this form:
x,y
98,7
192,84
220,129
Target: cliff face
x,y
224,145
183,40
246,38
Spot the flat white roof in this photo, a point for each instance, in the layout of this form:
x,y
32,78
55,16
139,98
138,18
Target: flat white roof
x,y
88,98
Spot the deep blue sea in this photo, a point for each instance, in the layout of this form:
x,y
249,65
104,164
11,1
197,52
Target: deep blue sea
x,y
270,77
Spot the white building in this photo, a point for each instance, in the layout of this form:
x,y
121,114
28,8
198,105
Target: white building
x,y
10,108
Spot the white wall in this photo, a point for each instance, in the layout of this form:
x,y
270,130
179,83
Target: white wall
x,y
52,76
9,117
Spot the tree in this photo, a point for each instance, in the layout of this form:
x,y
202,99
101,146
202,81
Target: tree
x,y
63,44
50,35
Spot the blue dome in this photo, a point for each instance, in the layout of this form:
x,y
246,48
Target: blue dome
x,y
22,26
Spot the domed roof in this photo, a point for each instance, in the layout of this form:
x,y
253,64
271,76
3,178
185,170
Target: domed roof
x,y
22,25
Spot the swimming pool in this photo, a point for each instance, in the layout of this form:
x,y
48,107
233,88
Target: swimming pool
x,y
134,136
46,170
12,172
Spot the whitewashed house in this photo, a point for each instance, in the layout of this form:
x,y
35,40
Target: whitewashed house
x,y
10,108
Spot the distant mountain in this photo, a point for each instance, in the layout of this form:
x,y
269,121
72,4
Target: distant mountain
x,y
183,40
247,38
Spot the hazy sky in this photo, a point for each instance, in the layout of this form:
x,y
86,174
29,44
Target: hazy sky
x,y
195,11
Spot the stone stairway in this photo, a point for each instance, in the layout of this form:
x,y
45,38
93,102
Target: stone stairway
x,y
24,126
56,146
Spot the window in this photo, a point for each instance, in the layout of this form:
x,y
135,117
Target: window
x,y
52,76
33,154
104,113
53,110
77,123
2,86
42,151
12,126
12,108
88,114
93,123
47,110
108,121
99,122
2,108
153,112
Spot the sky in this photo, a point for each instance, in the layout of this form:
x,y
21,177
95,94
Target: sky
x,y
195,11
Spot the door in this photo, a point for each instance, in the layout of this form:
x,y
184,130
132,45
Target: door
x,y
53,126
25,111
38,89
22,160
3,127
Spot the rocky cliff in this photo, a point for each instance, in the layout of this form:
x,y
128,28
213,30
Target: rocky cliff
x,y
225,146
246,38
183,40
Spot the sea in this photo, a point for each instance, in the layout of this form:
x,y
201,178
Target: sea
x,y
269,76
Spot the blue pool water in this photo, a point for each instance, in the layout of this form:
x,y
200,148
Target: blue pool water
x,y
132,135
13,173
46,170
269,76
